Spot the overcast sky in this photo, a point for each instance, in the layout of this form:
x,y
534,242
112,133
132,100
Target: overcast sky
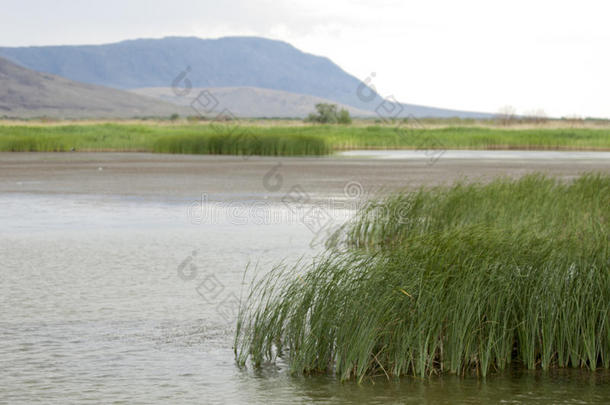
x,y
470,54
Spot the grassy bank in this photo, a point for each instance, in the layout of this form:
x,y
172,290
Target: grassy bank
x,y
467,279
229,138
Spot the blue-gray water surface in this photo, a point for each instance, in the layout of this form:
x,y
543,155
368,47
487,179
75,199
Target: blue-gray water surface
x,y
109,299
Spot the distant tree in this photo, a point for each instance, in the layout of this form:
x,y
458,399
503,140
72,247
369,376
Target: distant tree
x,y
506,115
174,117
344,117
328,114
573,120
536,116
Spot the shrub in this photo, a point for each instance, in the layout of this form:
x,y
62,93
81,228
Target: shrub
x,y
328,114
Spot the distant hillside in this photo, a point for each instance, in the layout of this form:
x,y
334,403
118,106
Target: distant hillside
x,y
25,93
224,62
250,101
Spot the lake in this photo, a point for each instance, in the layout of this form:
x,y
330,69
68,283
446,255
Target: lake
x,y
124,289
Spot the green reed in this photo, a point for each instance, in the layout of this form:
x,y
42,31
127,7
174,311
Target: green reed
x,y
281,139
467,279
243,144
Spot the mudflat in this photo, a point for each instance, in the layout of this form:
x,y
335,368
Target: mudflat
x,y
231,177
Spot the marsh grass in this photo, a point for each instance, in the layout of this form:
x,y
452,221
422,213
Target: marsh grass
x,y
419,137
96,137
468,279
243,144
231,138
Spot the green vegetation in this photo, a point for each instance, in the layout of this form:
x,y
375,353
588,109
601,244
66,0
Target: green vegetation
x,y
245,143
417,137
344,117
328,114
94,137
185,137
467,279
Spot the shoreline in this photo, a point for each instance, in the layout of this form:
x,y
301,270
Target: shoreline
x,y
262,178
283,140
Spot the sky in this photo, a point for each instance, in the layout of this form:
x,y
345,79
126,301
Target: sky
x,y
471,54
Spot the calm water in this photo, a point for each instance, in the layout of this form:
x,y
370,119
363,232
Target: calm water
x,y
118,300
494,155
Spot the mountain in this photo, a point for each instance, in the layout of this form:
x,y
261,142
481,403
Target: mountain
x,y
246,101
224,62
26,93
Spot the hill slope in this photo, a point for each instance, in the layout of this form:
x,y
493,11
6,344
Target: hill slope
x,y
224,62
25,93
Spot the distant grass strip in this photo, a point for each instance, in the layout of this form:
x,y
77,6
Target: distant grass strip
x,y
468,279
96,137
229,138
379,137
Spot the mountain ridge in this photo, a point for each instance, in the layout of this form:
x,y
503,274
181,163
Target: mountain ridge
x,y
222,62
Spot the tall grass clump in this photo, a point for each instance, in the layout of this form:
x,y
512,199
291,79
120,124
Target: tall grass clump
x,y
243,144
472,278
30,143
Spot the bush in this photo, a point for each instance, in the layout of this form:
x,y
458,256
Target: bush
x,y
344,117
328,114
